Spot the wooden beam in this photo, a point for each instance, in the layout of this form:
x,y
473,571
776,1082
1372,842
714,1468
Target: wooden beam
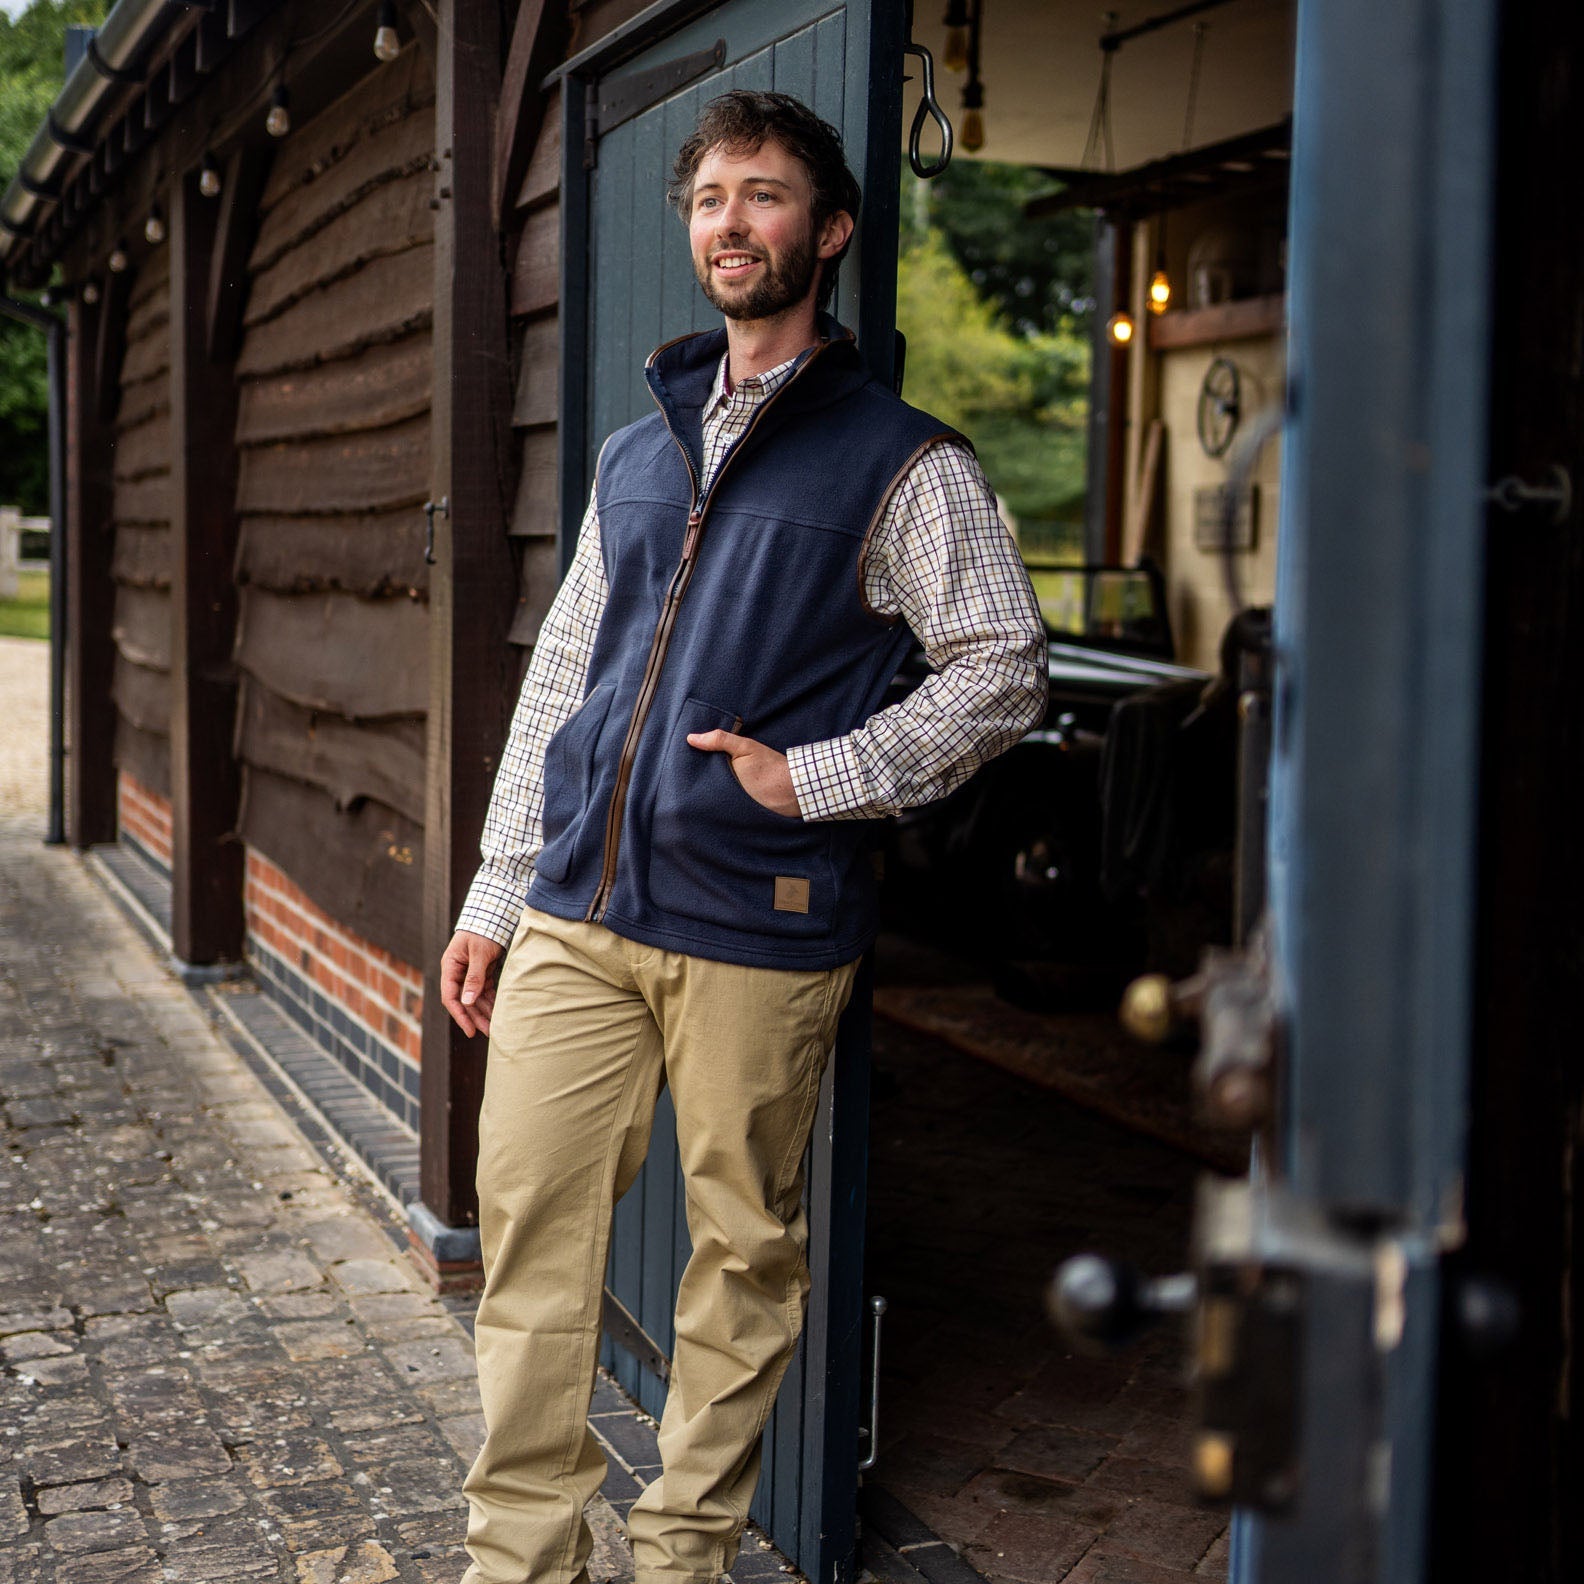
x,y
90,590
206,857
1228,321
471,669
225,293
536,43
110,344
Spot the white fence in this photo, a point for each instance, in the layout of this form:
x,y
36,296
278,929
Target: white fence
x,y
12,526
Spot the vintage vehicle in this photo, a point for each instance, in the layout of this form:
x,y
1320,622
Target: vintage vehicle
x,y
1062,850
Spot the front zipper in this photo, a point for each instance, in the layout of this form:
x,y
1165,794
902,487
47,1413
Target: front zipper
x,y
662,635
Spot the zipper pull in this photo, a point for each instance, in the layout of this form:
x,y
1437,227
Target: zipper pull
x,y
690,540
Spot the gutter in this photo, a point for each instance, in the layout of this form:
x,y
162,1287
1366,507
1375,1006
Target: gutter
x,y
112,59
55,331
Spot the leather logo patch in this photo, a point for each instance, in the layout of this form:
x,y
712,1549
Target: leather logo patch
x,y
791,894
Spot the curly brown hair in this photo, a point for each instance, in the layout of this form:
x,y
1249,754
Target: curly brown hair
x,y
744,120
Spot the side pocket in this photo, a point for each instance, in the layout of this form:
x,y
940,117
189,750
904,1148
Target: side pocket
x,y
718,856
568,781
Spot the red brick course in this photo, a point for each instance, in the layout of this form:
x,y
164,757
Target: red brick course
x,y
145,816
379,990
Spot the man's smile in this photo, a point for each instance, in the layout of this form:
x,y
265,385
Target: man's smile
x,y
734,263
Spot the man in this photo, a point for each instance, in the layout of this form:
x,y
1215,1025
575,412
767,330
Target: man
x,y
692,778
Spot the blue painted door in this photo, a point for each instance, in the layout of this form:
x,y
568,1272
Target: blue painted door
x,y
628,287
1373,788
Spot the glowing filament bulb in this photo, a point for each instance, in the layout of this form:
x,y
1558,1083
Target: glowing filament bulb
x,y
1119,327
1159,292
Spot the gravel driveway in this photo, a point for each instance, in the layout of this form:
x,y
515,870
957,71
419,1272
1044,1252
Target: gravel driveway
x,y
24,736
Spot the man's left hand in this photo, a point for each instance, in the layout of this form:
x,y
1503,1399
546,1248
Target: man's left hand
x,y
762,772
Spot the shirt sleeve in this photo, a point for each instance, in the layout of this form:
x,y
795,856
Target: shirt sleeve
x,y
942,559
551,691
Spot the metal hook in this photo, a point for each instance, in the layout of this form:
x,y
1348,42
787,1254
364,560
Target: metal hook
x,y
929,106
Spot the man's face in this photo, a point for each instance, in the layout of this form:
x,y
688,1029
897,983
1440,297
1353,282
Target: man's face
x,y
752,232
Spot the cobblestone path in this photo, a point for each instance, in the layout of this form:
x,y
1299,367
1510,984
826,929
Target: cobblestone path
x,y
217,1364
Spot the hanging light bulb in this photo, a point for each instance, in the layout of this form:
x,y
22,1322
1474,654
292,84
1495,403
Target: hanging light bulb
x,y
973,132
387,46
154,227
955,56
118,258
1159,289
209,176
90,292
278,122
1119,328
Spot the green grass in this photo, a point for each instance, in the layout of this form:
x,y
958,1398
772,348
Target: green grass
x,y
27,616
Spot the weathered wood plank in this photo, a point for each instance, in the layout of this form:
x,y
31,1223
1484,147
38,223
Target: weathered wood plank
x,y
543,177
401,147
386,299
540,577
145,500
142,626
361,659
538,373
380,386
149,317
371,470
363,865
537,37
147,356
141,402
151,280
537,512
229,283
475,454
536,276
372,554
207,919
392,217
142,555
90,593
144,448
383,760
142,696
142,754
383,98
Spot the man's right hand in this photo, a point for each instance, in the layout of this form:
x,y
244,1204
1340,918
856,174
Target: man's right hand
x,y
468,969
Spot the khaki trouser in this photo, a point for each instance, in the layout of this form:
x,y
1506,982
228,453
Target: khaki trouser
x,y
587,1027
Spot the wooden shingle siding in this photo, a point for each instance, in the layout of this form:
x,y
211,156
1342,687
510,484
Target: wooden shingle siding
x,y
383,760
333,435
366,860
535,299
371,553
361,659
140,467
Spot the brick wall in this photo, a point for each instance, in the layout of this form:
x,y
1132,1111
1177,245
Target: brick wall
x,y
358,1002
144,818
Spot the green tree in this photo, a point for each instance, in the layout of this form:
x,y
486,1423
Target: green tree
x,y
1039,273
1016,383
32,55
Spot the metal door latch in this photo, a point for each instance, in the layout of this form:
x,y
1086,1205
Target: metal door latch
x,y
1513,496
443,506
1232,1000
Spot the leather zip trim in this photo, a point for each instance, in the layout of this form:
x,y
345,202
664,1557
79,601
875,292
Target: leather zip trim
x,y
662,635
874,522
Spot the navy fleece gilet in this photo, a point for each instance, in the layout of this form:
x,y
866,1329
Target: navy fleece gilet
x,y
762,630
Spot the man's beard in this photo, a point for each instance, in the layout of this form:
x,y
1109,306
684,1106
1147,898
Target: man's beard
x,y
781,285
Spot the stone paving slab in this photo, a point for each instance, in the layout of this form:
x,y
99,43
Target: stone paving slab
x,y
216,1362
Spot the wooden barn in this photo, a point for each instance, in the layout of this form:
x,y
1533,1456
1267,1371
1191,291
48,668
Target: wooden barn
x,y
352,294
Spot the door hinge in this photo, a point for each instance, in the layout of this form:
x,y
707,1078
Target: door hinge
x,y
619,99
